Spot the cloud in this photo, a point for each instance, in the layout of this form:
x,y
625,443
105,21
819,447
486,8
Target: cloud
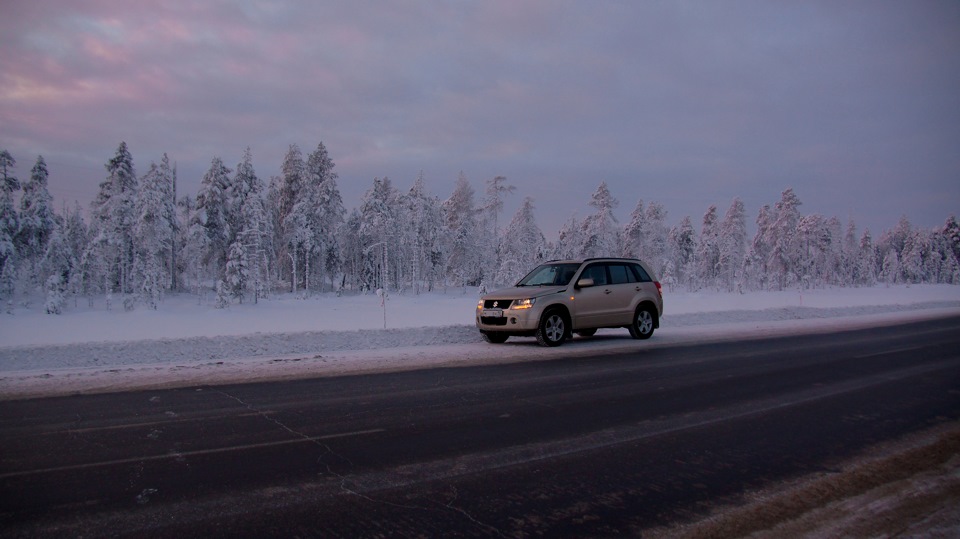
x,y
690,104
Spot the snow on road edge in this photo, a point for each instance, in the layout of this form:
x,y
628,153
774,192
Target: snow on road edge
x,y
29,371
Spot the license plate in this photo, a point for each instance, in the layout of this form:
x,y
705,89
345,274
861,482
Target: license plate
x,y
493,313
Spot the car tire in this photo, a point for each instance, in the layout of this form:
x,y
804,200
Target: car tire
x,y
552,330
495,338
643,323
587,332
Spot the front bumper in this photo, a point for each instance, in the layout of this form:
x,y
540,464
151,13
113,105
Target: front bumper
x,y
513,321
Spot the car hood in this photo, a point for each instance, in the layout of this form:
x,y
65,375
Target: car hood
x,y
522,292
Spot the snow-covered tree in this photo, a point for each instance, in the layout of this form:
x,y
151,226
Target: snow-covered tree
x,y
865,269
9,224
890,269
37,219
55,298
569,242
655,251
294,232
322,207
113,215
154,231
523,245
683,247
210,218
251,228
782,262
237,273
951,234
601,231
489,218
707,255
379,234
75,240
422,237
635,232
464,263
732,245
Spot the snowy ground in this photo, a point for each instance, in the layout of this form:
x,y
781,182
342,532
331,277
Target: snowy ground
x,y
90,348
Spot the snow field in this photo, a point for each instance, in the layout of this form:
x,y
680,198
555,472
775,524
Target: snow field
x,y
185,343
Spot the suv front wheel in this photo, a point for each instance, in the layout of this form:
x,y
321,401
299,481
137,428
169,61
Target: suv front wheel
x,y
643,324
552,329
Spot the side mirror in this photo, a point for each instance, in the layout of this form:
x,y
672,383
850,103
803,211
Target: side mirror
x,y
586,282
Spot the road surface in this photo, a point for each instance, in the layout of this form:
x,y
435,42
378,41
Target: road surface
x,y
578,446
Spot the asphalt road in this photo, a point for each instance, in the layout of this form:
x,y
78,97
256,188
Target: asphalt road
x,y
576,446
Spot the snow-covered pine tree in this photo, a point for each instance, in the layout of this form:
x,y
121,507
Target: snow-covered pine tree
x,y
655,248
37,219
210,214
683,248
782,262
379,234
732,245
890,269
288,187
237,272
523,245
185,264
55,298
601,231
462,231
326,213
707,254
55,260
489,219
9,225
169,173
755,276
422,236
849,251
569,242
866,265
76,237
251,224
635,232
951,232
354,274
154,229
113,214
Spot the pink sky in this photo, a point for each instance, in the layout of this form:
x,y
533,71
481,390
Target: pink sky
x,y
852,104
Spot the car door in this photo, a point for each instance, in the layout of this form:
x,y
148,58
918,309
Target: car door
x,y
623,289
590,303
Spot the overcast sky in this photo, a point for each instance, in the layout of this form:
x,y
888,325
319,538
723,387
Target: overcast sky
x,y
854,104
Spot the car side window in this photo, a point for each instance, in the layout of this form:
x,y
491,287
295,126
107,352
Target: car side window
x,y
597,272
641,273
620,274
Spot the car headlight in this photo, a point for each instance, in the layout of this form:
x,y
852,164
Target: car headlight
x,y
524,303
480,304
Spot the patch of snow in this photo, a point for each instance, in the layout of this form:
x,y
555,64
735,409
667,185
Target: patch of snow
x,y
182,343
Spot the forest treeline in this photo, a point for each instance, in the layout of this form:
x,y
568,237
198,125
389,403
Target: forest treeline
x,y
240,238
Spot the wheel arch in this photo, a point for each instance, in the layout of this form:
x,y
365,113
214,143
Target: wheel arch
x,y
564,312
652,308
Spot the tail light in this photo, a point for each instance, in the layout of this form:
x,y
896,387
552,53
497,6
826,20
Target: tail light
x,y
659,288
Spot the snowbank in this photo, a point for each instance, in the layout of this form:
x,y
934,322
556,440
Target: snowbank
x,y
89,348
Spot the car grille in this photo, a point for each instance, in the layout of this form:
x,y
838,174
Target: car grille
x,y
500,303
491,321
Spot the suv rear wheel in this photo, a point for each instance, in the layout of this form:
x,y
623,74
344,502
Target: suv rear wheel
x,y
552,329
643,324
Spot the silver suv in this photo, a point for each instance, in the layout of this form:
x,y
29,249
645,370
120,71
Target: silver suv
x,y
563,297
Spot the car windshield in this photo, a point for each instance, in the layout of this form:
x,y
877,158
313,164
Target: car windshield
x,y
550,275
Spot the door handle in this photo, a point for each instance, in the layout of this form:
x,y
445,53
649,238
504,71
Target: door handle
x,y
607,291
